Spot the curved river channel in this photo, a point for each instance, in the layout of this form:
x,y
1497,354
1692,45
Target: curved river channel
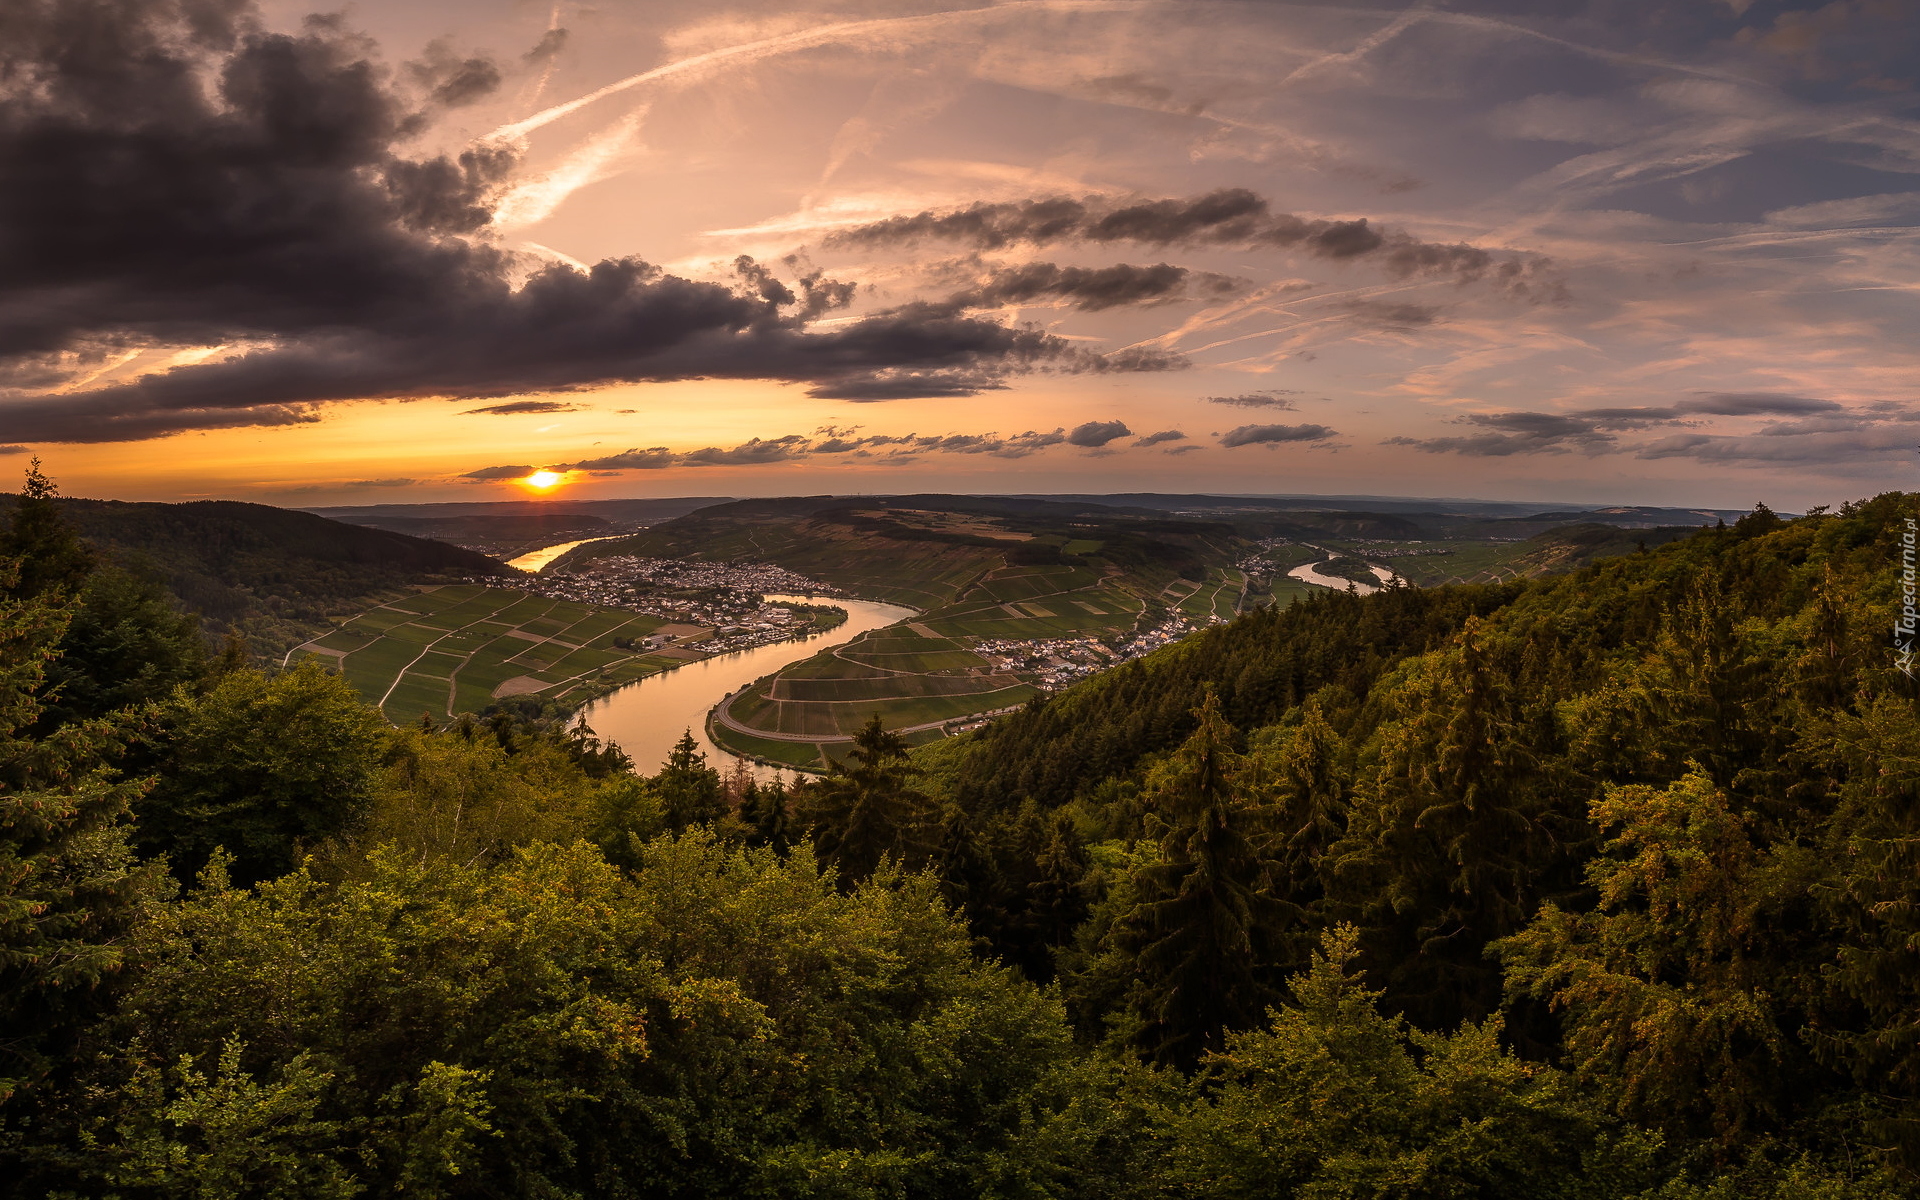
x,y
648,716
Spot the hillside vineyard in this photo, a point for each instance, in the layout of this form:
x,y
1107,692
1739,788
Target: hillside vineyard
x,y
1600,883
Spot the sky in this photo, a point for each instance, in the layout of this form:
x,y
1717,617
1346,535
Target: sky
x,y
1591,251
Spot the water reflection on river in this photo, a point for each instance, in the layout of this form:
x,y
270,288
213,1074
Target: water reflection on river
x,y
536,561
649,716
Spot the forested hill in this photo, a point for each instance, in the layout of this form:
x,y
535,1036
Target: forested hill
x,y
257,569
1600,887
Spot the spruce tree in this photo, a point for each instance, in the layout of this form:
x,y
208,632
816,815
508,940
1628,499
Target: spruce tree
x,y
1204,930
867,809
691,792
47,554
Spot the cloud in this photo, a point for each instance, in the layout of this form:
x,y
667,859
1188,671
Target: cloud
x,y
877,448
1276,398
1098,433
378,483
1517,433
650,459
520,407
6,450
1592,430
487,474
1262,435
1092,289
175,176
1227,217
753,452
1165,435
1398,317
1746,404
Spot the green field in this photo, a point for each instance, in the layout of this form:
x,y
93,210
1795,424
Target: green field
x,y
455,649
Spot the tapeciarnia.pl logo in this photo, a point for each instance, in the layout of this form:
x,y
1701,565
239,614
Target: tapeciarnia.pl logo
x,y
1908,618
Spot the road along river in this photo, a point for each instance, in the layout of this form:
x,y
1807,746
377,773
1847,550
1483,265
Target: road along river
x,y
647,717
1307,574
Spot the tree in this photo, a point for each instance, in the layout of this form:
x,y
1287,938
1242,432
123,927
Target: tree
x,y
49,556
867,808
1330,1096
1671,1004
126,645
763,809
69,888
1204,930
261,766
691,792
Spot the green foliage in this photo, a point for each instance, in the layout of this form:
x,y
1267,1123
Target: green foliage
x,y
260,766
1337,1099
126,645
1666,989
717,1023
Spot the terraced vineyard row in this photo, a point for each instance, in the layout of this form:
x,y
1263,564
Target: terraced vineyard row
x,y
456,649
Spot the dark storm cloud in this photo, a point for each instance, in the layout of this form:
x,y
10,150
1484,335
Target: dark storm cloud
x,y
171,174
1092,289
1262,435
1268,399
1228,217
1165,435
1098,433
485,474
518,408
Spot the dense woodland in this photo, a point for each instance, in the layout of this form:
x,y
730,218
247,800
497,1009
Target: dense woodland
x,y
1606,885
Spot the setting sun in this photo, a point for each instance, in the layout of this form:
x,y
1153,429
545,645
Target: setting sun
x,y
540,481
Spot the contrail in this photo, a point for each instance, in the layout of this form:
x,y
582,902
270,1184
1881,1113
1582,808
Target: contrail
x,y
803,40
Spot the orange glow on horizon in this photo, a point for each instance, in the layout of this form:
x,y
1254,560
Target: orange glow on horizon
x,y
542,481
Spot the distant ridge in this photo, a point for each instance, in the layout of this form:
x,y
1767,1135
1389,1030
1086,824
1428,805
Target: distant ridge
x,y
270,573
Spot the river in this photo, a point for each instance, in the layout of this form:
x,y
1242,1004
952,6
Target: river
x,y
1305,573
647,717
538,560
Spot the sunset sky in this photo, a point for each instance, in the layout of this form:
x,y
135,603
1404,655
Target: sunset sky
x,y
1640,251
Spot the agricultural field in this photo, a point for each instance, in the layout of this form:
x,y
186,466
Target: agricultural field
x,y
456,649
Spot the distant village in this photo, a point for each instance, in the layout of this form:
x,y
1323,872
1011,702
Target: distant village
x,y
1057,662
725,598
